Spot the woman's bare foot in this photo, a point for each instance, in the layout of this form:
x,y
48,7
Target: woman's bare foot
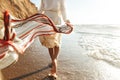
x,y
54,68
53,75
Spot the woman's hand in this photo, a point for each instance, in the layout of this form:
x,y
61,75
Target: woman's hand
x,y
67,21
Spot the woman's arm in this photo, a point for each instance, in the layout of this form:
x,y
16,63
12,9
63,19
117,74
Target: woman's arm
x,y
63,11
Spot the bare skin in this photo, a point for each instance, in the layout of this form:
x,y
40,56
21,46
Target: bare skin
x,y
53,54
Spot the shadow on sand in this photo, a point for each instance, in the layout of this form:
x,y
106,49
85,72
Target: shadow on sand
x,y
29,74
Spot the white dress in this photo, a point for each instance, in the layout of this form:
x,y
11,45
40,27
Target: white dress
x,y
55,10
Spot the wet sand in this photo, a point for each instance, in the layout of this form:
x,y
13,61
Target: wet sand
x,y
73,63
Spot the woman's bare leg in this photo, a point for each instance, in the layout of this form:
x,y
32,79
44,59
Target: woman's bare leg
x,y
53,54
1,76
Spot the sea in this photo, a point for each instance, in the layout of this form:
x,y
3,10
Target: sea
x,y
102,42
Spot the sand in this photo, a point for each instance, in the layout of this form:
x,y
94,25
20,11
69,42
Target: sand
x,y
73,63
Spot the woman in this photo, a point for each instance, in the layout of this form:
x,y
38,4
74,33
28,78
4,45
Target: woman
x,y
55,10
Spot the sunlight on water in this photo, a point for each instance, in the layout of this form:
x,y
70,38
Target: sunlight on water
x,y
101,42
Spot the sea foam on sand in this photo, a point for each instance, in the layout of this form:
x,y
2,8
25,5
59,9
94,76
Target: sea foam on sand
x,y
102,42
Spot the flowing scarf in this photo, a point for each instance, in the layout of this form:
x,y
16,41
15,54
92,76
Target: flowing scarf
x,y
27,30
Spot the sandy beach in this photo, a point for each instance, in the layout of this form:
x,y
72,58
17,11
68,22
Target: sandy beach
x,y
73,63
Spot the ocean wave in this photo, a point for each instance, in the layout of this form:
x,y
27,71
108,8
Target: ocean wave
x,y
101,43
